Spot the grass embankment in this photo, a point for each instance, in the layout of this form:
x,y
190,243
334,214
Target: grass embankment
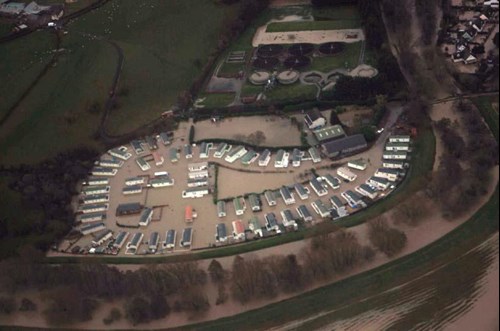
x,y
490,115
423,161
214,100
313,26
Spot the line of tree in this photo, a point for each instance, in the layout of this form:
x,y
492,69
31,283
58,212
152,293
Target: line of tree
x,y
385,238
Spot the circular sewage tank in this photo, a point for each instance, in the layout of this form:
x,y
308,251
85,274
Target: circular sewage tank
x,y
270,50
331,48
259,77
301,49
288,77
266,63
297,62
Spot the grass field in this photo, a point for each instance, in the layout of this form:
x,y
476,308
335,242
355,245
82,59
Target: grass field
x,y
291,92
214,100
490,115
313,25
249,89
349,58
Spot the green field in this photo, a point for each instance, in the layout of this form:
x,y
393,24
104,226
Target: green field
x,y
313,25
490,115
214,100
292,92
348,59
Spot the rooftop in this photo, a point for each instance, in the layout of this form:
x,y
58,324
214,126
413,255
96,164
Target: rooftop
x,y
329,133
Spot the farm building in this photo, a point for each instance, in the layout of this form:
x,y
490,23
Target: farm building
x,y
333,182
95,208
320,208
255,226
120,153
170,239
239,206
174,155
345,146
314,119
154,241
221,209
255,202
197,182
389,174
158,158
220,233
221,150
397,147
165,139
282,159
287,196
249,158
302,191
138,147
146,217
128,209
92,228
272,223
304,213
193,193
134,244
393,164
131,190
400,139
347,174
101,237
265,158
318,187
94,199
94,190
205,150
92,218
97,181
106,172
163,181
198,174
135,181
187,237
380,183
367,191
236,154
315,156
195,167
271,198
358,164
238,230
143,164
330,133
120,240
188,151
111,163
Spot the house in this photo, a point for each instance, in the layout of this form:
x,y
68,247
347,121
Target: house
x,y
164,137
120,240
379,183
320,208
330,133
345,146
367,191
220,233
188,151
138,147
195,167
105,172
282,159
96,181
314,119
334,182
187,237
359,164
272,223
470,58
265,158
198,174
393,164
397,147
205,150
315,156
400,139
92,218
287,196
94,208
336,202
255,202
146,217
388,155
249,158
128,209
94,190
271,198
92,228
158,158
354,200
255,226
133,181
221,150
297,157
318,187
143,164
170,239
154,241
120,153
289,219
478,23
239,230
93,199
134,244
196,192
163,181
302,191
347,174
174,155
221,209
190,214
152,144
197,182
389,174
304,213
239,206
111,163
236,154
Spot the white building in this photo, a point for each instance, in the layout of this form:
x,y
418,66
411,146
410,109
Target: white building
x,y
315,155
333,182
304,213
170,239
220,233
288,219
282,159
146,217
221,209
367,191
96,190
93,199
96,181
205,150
400,139
91,209
143,164
120,153
239,230
92,228
138,147
120,240
320,208
134,244
158,158
394,164
287,196
163,181
197,182
135,181
198,174
221,150
358,164
380,183
105,172
265,158
318,187
196,167
297,158
236,154
389,174
111,163
255,227
272,223
92,218
271,198
397,147
187,237
102,237
347,174
131,190
302,191
195,193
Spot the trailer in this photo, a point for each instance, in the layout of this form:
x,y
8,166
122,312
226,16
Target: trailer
x,y
170,239
220,233
143,164
304,213
187,238
347,174
135,181
195,193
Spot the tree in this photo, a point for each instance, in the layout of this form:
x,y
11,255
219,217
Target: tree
x,y
216,271
7,305
389,241
496,40
159,307
137,311
27,305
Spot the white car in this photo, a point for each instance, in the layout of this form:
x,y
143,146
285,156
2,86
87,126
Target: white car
x,y
381,130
